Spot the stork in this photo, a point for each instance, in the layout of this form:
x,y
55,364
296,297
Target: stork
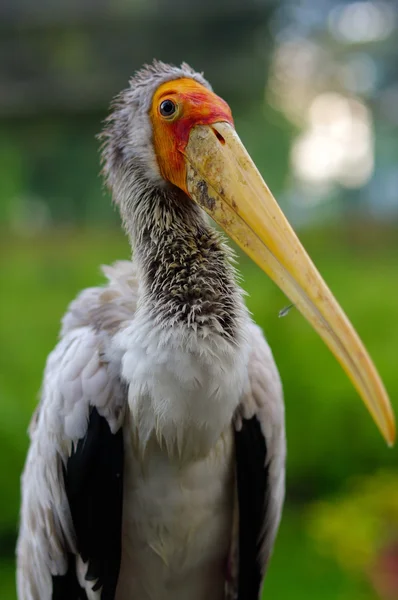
x,y
156,464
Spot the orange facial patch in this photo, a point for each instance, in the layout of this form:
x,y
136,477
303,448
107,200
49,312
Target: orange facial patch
x,y
195,105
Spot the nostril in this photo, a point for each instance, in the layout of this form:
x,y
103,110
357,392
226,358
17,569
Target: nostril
x,y
218,136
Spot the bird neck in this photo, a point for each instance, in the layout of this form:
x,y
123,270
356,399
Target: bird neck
x,y
184,265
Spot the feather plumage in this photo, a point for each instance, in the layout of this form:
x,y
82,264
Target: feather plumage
x,y
77,379
93,479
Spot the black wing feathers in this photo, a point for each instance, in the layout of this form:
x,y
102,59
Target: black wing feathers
x,y
252,483
66,587
94,487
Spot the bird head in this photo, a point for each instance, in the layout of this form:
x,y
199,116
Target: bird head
x,y
171,130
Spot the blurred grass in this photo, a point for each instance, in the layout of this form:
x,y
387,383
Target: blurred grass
x,y
297,571
330,436
7,580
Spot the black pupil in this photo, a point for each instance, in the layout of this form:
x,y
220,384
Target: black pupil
x,y
167,108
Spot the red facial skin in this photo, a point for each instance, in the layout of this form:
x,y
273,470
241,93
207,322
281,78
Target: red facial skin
x,y
196,105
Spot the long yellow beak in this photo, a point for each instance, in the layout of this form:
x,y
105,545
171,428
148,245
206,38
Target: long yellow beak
x,y
222,179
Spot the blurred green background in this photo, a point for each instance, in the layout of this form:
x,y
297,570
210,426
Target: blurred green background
x,y
314,90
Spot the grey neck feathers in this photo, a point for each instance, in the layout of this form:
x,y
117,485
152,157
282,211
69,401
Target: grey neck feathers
x,y
184,264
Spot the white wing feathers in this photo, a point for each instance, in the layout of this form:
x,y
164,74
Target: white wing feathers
x,y
105,308
76,378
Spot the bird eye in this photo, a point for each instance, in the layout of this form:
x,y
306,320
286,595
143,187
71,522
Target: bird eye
x,y
167,108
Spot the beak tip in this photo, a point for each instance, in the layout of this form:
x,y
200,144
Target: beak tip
x,y
392,438
390,432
